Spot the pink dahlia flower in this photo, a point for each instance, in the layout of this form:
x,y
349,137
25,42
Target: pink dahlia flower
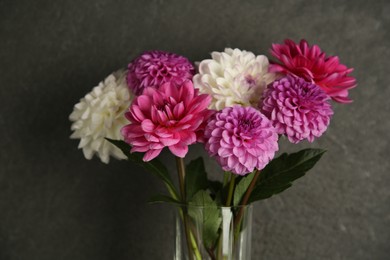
x,y
153,68
311,64
241,138
170,115
297,108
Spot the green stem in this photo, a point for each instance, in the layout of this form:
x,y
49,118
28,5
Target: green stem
x,y
226,178
237,221
231,190
181,172
191,241
227,204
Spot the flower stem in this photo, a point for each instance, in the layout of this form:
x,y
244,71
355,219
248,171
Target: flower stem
x,y
191,241
227,204
250,188
225,178
237,221
231,189
181,172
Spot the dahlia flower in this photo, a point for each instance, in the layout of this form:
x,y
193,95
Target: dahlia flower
x,y
171,115
241,138
233,77
297,108
153,68
100,114
312,64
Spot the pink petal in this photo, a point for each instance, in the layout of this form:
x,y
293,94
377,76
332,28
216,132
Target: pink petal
x,y
223,152
169,141
188,137
163,132
169,89
151,138
158,97
239,151
168,112
187,92
151,154
276,50
187,118
136,114
217,132
144,103
178,110
226,136
132,131
232,161
342,100
147,126
149,91
154,114
140,149
155,146
140,142
179,150
161,117
199,103
276,68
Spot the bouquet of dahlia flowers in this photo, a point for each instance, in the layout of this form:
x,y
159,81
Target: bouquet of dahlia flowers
x,y
236,103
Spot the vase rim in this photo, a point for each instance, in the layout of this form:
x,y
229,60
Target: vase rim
x,y
186,205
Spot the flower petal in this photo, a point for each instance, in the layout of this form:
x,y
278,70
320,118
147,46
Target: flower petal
x,y
179,150
147,126
151,154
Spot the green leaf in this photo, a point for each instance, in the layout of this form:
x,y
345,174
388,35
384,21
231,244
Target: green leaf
x,y
241,188
203,210
279,174
164,199
154,166
196,177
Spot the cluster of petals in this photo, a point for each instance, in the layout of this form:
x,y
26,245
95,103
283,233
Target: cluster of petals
x,y
153,68
170,116
241,139
312,64
100,114
298,109
233,77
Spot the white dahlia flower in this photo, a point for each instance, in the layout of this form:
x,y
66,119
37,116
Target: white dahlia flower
x,y
233,77
100,114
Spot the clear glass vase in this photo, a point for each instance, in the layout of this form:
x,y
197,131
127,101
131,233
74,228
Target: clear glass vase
x,y
213,233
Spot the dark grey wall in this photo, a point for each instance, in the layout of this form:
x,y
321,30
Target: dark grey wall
x,y
54,204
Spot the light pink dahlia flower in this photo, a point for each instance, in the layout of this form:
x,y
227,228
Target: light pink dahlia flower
x,y
153,68
312,64
171,115
297,108
241,138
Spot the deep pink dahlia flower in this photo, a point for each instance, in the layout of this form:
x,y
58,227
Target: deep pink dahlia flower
x,y
312,64
297,108
153,68
171,115
241,138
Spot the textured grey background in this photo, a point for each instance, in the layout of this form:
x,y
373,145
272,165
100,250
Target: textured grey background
x,y
54,204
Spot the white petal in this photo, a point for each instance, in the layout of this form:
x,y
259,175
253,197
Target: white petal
x,y
100,114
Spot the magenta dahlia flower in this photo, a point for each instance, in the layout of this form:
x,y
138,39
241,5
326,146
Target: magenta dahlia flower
x,y
298,109
154,68
312,64
170,116
241,138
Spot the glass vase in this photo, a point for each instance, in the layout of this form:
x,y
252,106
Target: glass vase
x,y
213,233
